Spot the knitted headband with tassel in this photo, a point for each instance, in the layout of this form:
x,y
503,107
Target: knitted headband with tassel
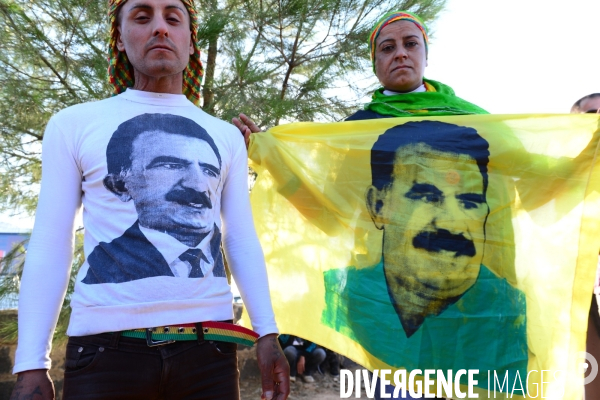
x,y
120,70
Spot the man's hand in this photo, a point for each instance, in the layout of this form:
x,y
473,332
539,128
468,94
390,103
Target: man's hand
x,y
274,368
301,364
246,126
33,385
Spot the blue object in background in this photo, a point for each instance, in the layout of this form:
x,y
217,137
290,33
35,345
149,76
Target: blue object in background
x,y
8,242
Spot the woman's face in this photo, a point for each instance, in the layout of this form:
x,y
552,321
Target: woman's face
x,y
400,56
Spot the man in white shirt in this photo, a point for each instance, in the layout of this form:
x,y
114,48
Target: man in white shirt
x,y
159,331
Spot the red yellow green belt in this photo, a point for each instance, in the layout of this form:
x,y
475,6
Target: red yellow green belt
x,y
212,330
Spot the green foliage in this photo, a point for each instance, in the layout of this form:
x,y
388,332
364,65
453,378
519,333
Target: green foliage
x,y
9,287
292,60
52,55
275,60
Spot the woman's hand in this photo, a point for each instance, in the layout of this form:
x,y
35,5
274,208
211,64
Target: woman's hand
x,y
246,126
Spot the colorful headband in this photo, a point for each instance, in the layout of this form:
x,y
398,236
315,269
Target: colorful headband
x,y
120,71
387,19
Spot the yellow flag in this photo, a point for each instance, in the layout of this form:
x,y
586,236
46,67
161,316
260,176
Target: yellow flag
x,y
446,243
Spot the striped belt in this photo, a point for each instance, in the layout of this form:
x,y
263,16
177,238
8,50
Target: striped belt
x,y
209,330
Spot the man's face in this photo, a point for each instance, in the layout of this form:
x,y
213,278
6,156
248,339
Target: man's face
x,y
173,182
400,56
156,36
433,218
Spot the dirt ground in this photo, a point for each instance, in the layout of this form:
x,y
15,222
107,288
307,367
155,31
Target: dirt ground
x,y
324,388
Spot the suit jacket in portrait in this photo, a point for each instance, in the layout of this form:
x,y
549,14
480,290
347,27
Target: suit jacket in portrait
x,y
131,257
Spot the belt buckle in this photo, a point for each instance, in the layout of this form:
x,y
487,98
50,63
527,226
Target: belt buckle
x,y
155,343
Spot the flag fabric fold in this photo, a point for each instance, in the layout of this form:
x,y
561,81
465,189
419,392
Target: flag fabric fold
x,y
444,243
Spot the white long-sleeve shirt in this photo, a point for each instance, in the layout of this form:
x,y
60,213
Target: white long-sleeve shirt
x,y
125,282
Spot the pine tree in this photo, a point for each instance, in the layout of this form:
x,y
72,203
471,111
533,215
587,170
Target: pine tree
x,y
276,60
52,55
291,60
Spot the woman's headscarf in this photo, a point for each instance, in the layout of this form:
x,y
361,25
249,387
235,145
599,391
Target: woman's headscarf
x,y
387,19
120,70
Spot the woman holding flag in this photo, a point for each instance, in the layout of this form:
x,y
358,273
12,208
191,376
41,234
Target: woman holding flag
x,y
398,46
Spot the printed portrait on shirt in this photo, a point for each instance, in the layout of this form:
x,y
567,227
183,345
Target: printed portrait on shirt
x,y
170,168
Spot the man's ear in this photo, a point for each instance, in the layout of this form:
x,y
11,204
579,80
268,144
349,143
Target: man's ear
x,y
120,44
375,199
115,184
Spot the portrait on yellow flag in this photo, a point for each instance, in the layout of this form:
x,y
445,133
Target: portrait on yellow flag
x,y
428,197
441,243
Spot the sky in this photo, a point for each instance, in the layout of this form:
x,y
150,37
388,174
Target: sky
x,y
526,56
11,223
509,56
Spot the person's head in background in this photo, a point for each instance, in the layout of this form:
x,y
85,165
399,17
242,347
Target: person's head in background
x,y
587,104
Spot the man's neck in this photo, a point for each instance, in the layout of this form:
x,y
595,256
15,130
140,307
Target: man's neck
x,y
172,84
414,302
189,237
419,89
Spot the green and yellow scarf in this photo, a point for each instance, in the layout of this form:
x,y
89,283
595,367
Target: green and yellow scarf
x,y
439,99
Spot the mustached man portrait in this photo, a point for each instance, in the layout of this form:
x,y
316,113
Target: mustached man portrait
x,y
170,168
430,303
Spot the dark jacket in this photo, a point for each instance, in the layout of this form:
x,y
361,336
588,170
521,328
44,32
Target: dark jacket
x,y
132,256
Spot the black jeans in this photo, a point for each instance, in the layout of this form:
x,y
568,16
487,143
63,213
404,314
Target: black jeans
x,y
311,360
109,366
